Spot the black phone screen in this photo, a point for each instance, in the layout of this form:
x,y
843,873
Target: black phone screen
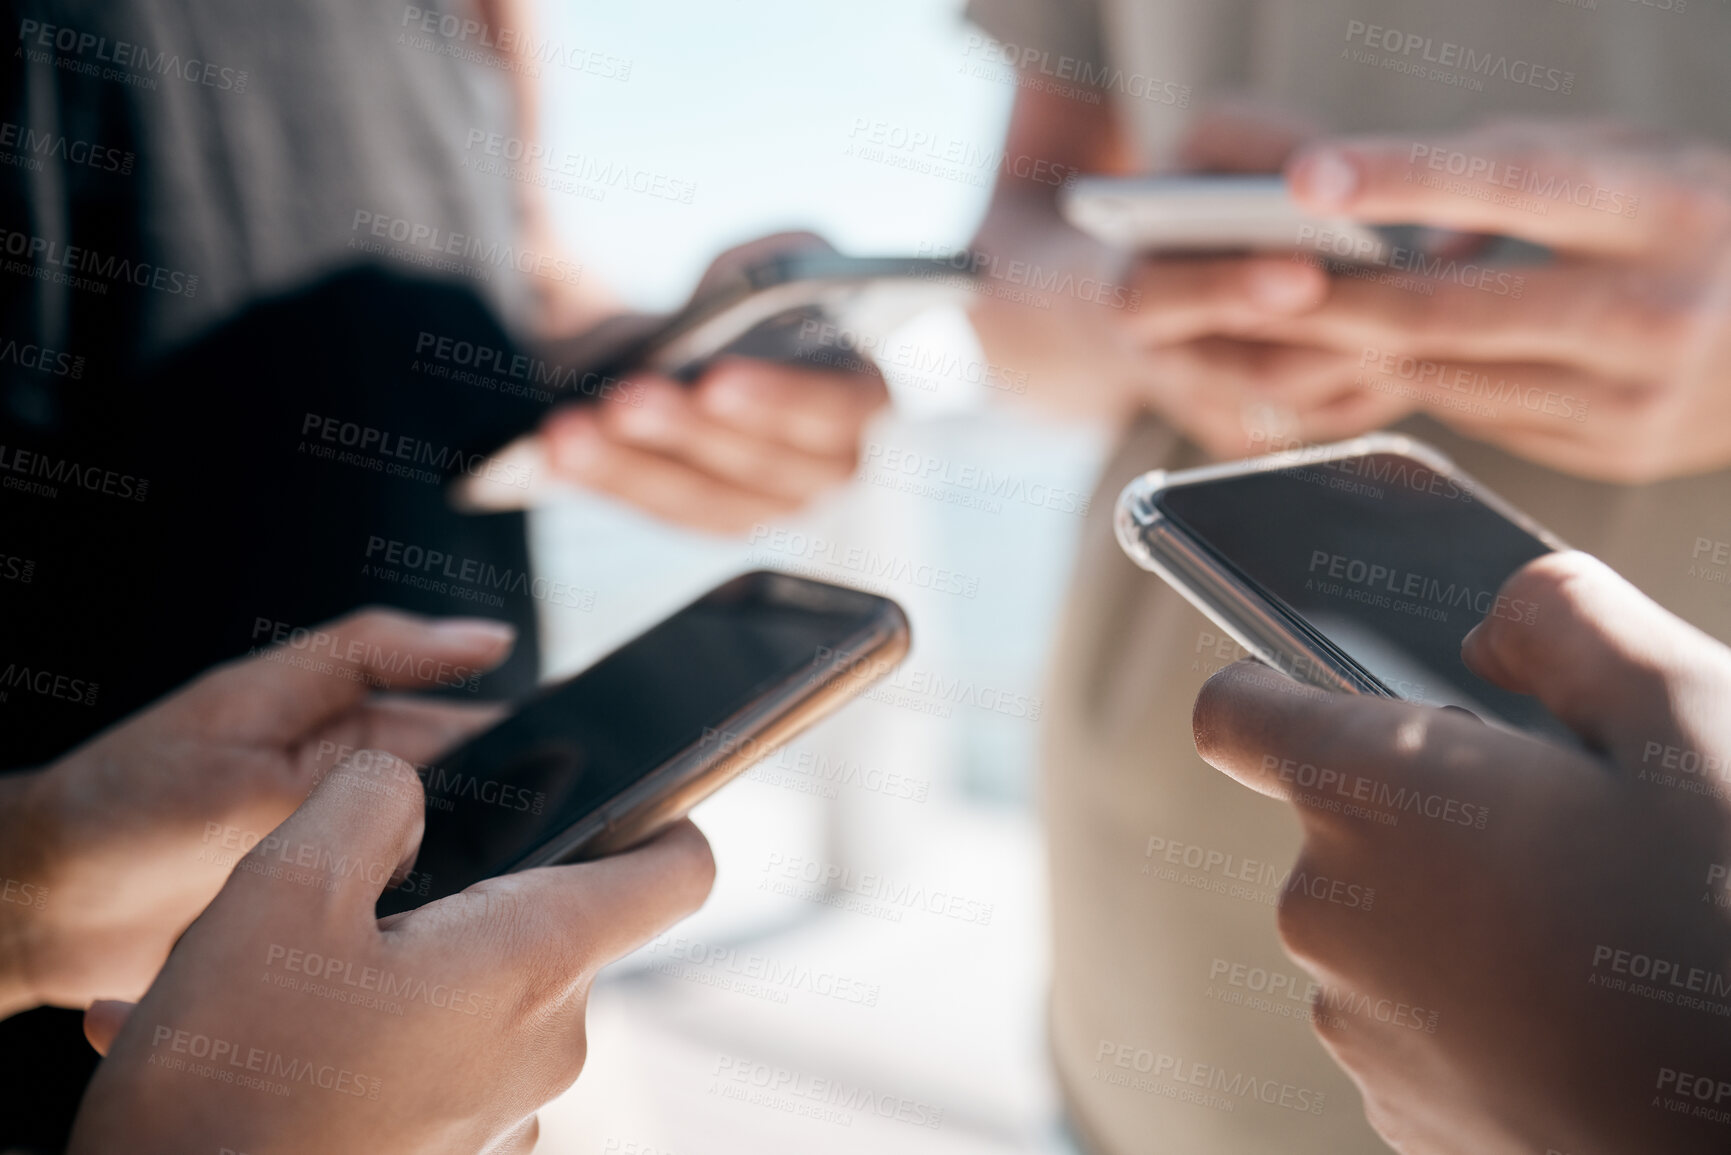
x,y
1386,559
577,745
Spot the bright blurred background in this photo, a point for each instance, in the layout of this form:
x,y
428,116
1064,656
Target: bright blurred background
x,y
909,1012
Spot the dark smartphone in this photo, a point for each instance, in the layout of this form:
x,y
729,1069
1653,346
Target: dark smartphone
x,y
604,760
1359,566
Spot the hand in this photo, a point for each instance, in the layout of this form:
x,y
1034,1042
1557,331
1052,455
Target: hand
x,y
1511,875
289,1019
749,441
1610,362
125,840
1206,341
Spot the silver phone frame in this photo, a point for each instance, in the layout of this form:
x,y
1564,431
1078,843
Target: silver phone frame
x,y
1245,612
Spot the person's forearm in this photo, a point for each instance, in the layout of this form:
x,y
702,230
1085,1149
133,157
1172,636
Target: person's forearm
x,y
1061,345
1060,342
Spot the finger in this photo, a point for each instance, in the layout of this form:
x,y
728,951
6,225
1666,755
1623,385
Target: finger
x,y
412,729
1186,298
1609,662
670,422
599,911
103,1020
816,411
1579,200
653,482
311,676
1569,313
1283,739
1354,412
357,830
1297,376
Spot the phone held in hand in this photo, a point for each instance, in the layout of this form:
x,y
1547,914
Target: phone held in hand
x,y
604,760
1214,213
1358,566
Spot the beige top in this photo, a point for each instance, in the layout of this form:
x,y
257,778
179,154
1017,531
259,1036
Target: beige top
x,y
1178,1024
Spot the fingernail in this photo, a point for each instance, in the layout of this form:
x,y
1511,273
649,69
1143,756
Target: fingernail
x,y
1285,288
475,632
1327,179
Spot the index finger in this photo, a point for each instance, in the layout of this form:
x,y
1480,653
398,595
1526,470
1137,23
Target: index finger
x,y
1601,202
814,410
308,677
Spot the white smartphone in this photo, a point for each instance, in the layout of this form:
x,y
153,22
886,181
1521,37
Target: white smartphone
x,y
1358,566
1179,214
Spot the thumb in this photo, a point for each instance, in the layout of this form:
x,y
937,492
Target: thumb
x,y
1608,661
103,1020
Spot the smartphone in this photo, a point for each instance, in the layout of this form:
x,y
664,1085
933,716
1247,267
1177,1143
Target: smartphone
x,y
1233,214
777,309
1358,566
602,761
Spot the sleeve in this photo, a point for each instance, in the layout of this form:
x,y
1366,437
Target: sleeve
x,y
1044,31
